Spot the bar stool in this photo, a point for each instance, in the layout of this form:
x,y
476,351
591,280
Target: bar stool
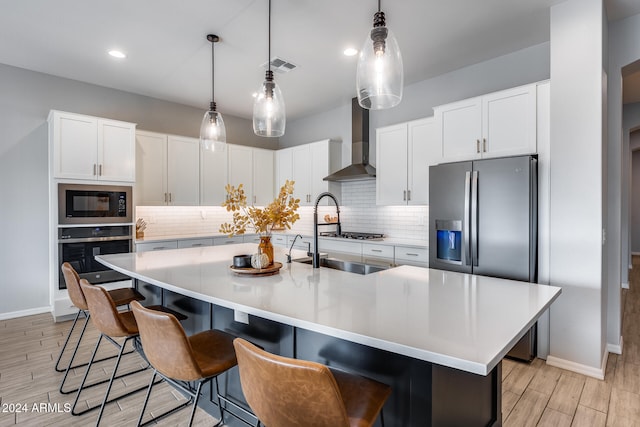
x,y
285,392
112,324
120,297
179,359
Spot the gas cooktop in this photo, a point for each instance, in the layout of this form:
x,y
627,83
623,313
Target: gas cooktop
x,y
354,235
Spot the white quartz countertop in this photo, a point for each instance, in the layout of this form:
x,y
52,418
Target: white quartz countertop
x,y
457,320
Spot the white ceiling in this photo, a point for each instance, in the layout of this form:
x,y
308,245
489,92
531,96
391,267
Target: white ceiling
x,y
169,57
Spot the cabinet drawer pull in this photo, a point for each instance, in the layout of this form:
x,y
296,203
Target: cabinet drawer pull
x,y
376,250
410,254
195,245
484,145
159,248
477,146
229,242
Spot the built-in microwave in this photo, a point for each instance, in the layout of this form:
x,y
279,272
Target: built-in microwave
x,y
94,204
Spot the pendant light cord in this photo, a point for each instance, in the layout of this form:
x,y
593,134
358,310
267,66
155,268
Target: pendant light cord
x,y
269,50
379,5
212,71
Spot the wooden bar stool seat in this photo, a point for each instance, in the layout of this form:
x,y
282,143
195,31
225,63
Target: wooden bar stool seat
x,y
285,392
179,359
120,297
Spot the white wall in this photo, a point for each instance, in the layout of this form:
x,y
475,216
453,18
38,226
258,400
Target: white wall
x,y
576,339
518,68
624,49
25,100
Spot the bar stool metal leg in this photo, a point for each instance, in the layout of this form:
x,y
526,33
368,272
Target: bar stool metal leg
x,y
66,341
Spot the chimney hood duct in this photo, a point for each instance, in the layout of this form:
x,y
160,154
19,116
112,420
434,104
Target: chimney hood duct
x,y
360,169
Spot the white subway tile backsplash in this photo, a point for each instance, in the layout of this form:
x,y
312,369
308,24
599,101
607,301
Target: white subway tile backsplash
x,y
358,212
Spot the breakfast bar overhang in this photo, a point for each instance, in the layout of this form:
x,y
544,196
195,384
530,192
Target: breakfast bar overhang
x,y
436,337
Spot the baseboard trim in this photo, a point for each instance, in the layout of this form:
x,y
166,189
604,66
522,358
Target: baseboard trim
x,y
615,348
625,285
23,313
590,371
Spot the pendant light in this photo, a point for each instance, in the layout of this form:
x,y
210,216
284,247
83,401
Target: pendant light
x,y
379,77
213,135
268,108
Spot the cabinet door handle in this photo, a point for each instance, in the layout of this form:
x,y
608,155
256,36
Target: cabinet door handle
x,y
484,145
255,199
165,197
94,168
404,195
408,194
478,146
100,170
169,197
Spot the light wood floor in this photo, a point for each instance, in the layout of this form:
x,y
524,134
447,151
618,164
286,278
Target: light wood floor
x,y
533,394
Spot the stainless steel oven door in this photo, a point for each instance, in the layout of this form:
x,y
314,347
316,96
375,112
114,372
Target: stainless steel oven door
x,y
94,204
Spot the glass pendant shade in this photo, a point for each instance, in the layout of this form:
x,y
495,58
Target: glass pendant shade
x,y
269,118
213,135
379,76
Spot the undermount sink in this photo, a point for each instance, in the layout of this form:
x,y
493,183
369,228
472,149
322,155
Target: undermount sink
x,y
348,266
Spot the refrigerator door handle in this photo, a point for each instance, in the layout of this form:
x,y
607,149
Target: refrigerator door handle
x,y
474,218
465,225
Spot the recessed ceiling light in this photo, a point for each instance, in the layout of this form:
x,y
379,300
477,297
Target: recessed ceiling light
x,y
117,54
350,51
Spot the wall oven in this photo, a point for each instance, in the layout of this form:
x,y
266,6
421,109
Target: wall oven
x,y
93,220
79,245
94,204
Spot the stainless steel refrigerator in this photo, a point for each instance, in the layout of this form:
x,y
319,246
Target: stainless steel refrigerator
x,y
483,220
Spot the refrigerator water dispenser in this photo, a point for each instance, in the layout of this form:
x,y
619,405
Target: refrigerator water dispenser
x,y
449,241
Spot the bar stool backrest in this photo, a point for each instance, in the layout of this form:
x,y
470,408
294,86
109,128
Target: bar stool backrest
x,y
166,345
72,279
286,392
104,313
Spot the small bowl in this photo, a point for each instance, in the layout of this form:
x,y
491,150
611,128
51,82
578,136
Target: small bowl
x,y
242,261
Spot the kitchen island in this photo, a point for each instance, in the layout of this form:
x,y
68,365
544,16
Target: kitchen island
x,y
437,337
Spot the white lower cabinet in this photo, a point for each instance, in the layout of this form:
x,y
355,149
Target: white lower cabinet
x,y
409,255
224,240
377,254
194,243
341,249
279,240
156,246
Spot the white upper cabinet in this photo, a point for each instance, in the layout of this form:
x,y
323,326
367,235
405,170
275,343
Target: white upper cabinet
x,y
493,125
404,153
252,167
263,173
213,177
183,171
168,170
91,148
307,165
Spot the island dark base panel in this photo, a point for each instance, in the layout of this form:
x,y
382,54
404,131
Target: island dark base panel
x,y
423,394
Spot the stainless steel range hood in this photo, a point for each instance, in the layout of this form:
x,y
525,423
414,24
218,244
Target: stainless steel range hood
x,y
360,169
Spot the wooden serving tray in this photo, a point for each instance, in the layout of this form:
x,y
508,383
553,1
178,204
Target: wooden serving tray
x,y
250,271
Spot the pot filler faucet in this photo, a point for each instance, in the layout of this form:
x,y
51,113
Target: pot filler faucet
x,y
316,253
